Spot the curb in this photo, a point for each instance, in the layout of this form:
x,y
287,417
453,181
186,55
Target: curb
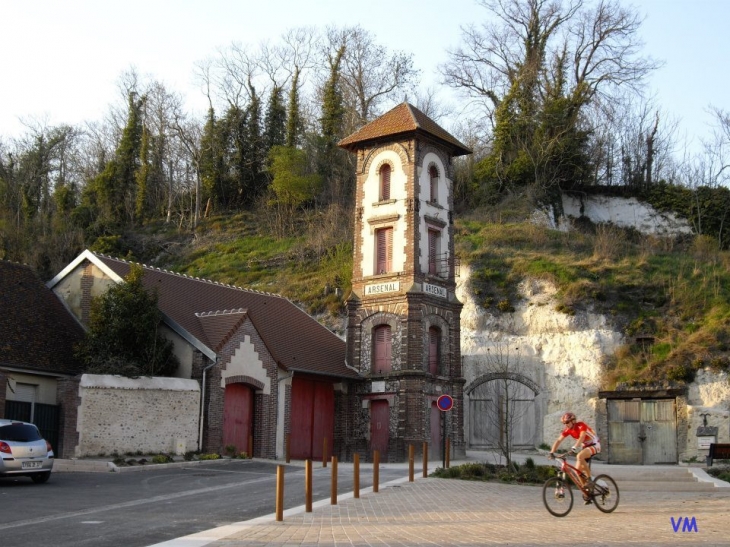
x,y
98,466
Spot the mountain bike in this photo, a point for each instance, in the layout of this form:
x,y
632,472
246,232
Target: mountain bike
x,y
557,494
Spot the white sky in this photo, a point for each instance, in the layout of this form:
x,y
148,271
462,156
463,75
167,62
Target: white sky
x,y
60,61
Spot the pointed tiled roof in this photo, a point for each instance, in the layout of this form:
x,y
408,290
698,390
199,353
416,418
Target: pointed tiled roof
x,y
37,332
401,120
210,311
218,326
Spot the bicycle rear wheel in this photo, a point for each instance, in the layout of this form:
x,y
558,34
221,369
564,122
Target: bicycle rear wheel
x,y
557,497
605,493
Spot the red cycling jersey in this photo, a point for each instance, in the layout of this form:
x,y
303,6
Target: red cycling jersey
x,y
579,427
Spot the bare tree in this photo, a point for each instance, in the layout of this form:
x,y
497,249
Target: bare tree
x,y
371,74
508,399
523,40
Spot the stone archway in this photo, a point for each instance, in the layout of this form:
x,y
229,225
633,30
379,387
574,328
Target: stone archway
x,y
499,404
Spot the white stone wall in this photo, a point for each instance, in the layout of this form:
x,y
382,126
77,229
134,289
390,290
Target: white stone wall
x,y
561,353
709,394
125,415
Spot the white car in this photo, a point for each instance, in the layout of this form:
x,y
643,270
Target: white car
x,y
24,452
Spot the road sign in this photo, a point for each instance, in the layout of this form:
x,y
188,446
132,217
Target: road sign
x,y
445,402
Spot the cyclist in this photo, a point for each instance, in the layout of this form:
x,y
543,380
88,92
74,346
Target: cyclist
x,y
586,445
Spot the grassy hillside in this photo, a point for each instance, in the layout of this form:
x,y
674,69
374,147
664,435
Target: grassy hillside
x,y
670,297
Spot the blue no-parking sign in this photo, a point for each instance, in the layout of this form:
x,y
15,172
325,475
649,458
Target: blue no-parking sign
x,y
445,402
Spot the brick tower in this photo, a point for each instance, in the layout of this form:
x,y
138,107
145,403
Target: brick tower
x,y
403,330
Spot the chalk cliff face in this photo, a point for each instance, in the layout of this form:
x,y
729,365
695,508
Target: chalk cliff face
x,y
558,356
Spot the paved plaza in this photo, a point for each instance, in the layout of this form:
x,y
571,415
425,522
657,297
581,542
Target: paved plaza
x,y
432,511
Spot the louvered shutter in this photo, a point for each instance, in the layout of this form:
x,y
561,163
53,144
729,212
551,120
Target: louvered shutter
x,y
433,350
385,182
433,236
384,244
382,350
434,176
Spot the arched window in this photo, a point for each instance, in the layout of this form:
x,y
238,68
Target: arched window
x,y
382,344
433,175
385,182
434,349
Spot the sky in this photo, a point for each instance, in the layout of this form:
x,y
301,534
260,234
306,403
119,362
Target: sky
x,y
61,61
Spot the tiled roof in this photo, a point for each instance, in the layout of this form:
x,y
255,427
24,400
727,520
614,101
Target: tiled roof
x,y
37,332
210,312
403,119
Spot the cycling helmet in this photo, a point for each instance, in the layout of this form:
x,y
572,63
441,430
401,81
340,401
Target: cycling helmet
x,y
568,416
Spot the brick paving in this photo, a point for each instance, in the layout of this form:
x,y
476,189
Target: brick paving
x,y
440,512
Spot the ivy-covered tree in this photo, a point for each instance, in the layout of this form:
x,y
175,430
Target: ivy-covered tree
x,y
113,193
332,160
212,161
275,120
123,336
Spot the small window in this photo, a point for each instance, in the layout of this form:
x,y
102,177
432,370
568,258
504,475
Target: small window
x,y
382,348
434,237
385,182
434,349
383,251
433,175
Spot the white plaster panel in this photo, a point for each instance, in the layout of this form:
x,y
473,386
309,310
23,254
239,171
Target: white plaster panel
x,y
284,381
371,195
45,391
439,211
182,350
246,362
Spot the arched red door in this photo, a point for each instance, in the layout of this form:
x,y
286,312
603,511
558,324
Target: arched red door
x,y
238,417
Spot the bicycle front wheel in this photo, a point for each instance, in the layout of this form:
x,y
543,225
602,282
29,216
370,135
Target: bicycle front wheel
x,y
605,493
557,497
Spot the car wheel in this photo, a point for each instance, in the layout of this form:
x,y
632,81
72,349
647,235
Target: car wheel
x,y
40,478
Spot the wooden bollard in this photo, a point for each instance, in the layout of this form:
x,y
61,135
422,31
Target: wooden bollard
x,y
308,486
411,462
376,470
333,488
324,452
448,452
288,452
279,493
356,468
425,460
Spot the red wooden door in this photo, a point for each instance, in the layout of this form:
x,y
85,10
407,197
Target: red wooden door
x,y
312,418
379,420
238,417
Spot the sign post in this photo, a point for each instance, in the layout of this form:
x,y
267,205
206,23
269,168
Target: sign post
x,y
445,403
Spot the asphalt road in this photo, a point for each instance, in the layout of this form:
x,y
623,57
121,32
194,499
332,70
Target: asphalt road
x,y
150,506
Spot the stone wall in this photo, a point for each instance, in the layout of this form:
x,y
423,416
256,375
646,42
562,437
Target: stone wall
x,y
708,406
125,415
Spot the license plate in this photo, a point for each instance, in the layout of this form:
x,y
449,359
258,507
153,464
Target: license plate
x,y
32,465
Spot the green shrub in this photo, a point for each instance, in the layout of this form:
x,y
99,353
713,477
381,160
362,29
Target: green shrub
x,y
209,457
